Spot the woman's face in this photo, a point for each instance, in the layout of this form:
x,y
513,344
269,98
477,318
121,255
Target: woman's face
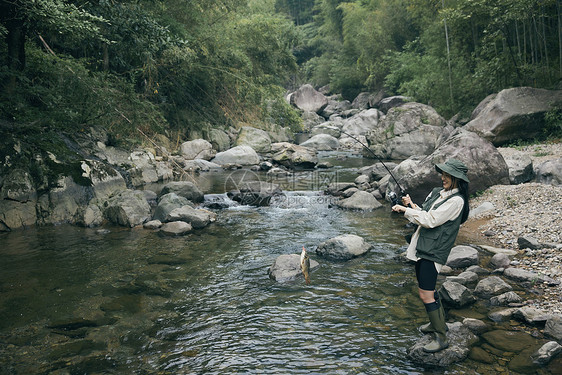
x,y
447,181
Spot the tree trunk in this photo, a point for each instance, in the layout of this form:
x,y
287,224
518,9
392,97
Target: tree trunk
x,y
559,36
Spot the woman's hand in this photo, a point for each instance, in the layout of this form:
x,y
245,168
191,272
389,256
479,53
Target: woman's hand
x,y
407,201
398,208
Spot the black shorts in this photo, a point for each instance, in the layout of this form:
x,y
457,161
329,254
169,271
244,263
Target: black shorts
x,y
426,273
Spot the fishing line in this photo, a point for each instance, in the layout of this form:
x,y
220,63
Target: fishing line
x,y
377,157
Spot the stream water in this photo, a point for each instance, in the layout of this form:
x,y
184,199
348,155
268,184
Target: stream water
x,y
129,301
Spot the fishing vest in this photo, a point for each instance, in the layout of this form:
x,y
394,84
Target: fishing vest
x,y
435,244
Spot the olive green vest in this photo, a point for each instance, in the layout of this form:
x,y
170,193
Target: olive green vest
x,y
436,243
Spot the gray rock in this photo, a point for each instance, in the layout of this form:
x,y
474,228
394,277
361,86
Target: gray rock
x,y
322,142
338,188
294,156
462,256
90,216
176,228
498,250
528,242
328,127
287,267
200,165
483,209
343,247
360,200
307,98
362,123
408,130
531,315
509,341
152,224
476,326
366,100
219,139
336,106
239,155
553,327
516,113
546,353
377,170
14,215
522,275
520,166
387,103
255,193
505,299
197,149
501,315
500,261
486,166
311,120
257,139
478,270
460,339
550,172
105,180
18,186
196,217
456,295
491,286
184,189
167,203
129,208
465,278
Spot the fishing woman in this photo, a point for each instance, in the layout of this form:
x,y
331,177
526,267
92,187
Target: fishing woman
x,y
438,219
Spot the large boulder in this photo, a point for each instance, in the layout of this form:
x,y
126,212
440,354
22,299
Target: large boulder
x,y
167,203
287,267
255,193
390,102
486,166
257,139
311,119
550,172
18,186
241,155
491,286
516,113
408,130
105,181
129,208
520,165
219,139
363,122
328,127
343,247
462,256
307,98
336,107
197,149
460,340
322,142
196,217
294,156
184,189
360,200
366,100
456,294
63,203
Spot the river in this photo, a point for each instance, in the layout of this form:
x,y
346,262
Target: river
x,y
129,301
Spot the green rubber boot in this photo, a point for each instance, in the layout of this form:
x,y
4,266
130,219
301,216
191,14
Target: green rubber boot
x,y
428,327
437,319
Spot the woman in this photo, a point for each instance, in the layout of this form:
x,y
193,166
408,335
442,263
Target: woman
x,y
438,220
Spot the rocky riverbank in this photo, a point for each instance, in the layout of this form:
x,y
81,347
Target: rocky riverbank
x,y
526,218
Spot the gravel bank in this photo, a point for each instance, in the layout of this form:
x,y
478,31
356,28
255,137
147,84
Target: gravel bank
x,y
526,210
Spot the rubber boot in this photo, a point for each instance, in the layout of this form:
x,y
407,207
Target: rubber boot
x,y
428,327
437,319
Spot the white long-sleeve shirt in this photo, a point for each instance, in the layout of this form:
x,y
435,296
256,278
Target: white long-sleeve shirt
x,y
449,210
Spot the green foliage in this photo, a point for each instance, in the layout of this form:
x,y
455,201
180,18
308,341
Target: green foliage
x,y
553,120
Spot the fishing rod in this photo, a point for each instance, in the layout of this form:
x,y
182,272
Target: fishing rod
x,y
393,198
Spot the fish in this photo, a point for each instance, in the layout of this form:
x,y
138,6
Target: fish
x,y
305,265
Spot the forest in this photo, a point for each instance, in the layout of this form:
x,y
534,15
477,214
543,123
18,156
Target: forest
x,y
183,67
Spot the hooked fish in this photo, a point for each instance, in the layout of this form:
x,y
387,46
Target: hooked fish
x,y
305,265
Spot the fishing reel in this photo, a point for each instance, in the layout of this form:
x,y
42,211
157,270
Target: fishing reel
x,y
393,198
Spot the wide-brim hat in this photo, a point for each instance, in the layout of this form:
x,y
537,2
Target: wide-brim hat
x,y
454,167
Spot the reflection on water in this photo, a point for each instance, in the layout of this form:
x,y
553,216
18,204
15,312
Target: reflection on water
x,y
76,300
